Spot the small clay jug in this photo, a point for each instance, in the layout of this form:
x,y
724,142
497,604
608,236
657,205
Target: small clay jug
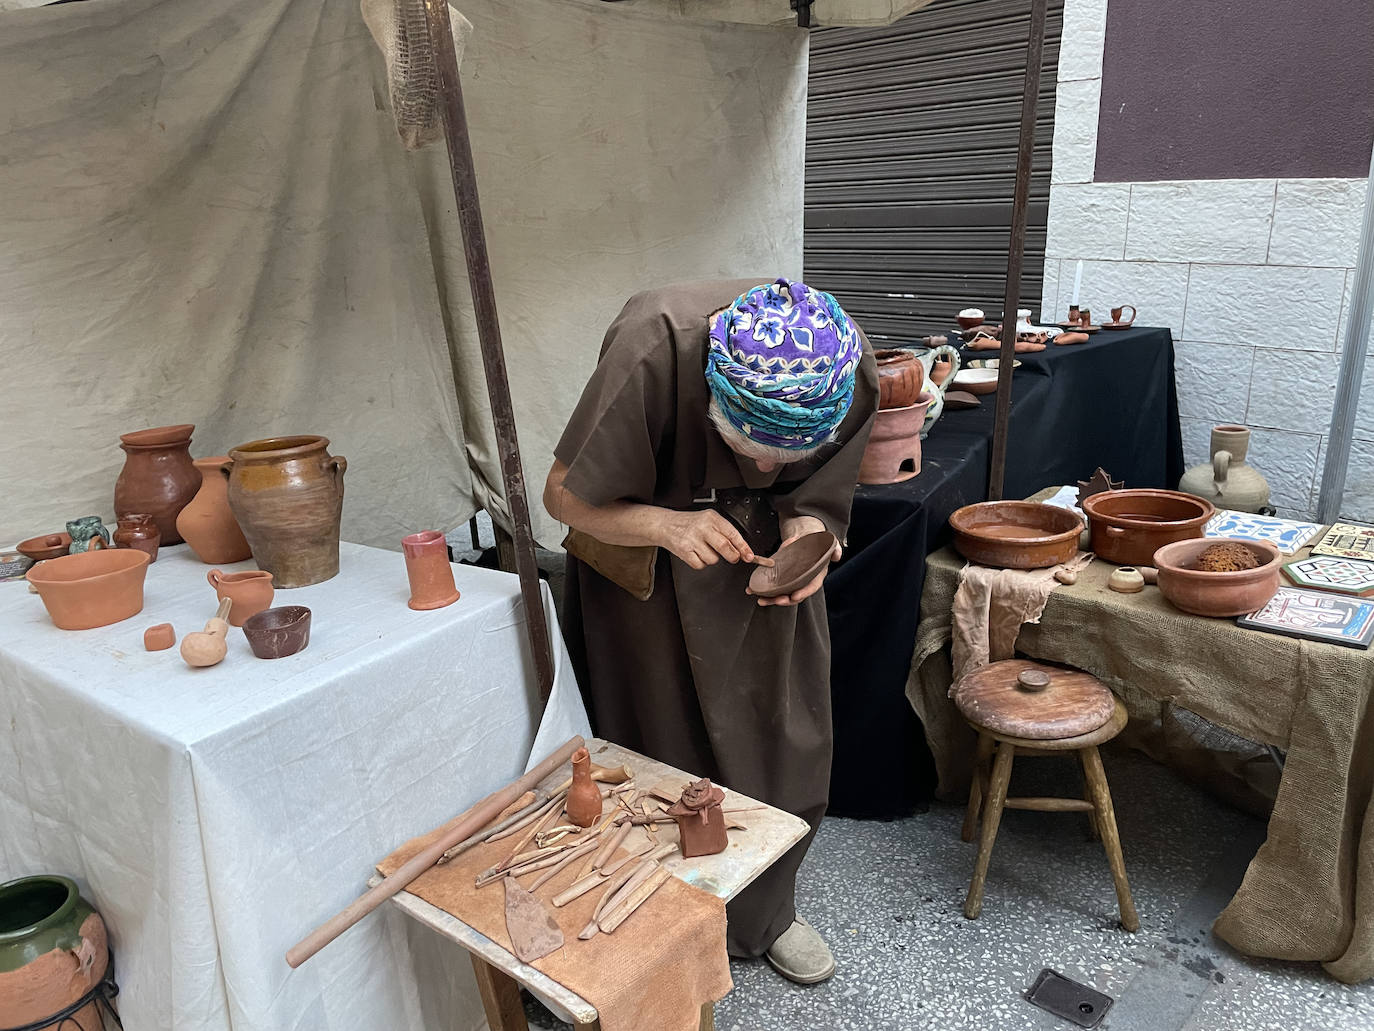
x,y
584,797
138,531
1227,481
53,950
427,566
206,524
84,531
250,591
900,378
158,477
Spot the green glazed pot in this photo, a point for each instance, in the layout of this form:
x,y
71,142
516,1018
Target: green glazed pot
x,y
53,950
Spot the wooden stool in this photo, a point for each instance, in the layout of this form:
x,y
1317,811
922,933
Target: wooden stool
x,y
1016,705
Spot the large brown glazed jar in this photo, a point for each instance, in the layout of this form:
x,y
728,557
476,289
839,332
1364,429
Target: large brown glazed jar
x,y
207,525
287,495
53,950
158,477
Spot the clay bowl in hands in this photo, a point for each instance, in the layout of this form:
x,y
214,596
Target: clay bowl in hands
x,y
977,381
1016,534
1204,593
794,565
277,633
49,545
91,588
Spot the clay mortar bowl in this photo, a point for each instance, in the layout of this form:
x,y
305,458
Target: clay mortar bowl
x,y
977,381
1016,534
49,545
277,633
91,588
1129,526
1205,593
794,565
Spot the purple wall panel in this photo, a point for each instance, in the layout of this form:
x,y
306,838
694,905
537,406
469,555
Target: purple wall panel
x,y
1236,89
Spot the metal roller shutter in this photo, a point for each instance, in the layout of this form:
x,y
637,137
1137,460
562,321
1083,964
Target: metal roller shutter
x,y
911,163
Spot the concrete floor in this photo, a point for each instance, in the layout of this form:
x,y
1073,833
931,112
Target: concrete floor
x,y
888,898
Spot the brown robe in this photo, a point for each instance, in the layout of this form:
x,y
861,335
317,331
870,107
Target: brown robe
x,y
700,676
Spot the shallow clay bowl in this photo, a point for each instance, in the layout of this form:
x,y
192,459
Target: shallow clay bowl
x,y
794,565
1129,526
91,588
990,363
277,633
1016,534
969,321
1204,593
977,381
50,545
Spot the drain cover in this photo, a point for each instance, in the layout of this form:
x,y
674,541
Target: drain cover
x,y
1065,998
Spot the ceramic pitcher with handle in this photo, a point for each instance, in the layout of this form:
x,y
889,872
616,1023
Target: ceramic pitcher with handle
x,y
937,378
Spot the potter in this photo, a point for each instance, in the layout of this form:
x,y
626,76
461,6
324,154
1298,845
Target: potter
x,y
687,453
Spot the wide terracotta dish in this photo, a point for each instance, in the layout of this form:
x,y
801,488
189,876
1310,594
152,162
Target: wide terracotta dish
x,y
1205,593
1129,526
91,588
1016,534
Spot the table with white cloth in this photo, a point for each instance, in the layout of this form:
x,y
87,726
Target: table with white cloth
x,y
214,816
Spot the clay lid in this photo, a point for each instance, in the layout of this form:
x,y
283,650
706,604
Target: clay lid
x,y
794,565
159,436
995,698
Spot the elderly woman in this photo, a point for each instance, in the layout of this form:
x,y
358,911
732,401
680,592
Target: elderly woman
x,y
722,420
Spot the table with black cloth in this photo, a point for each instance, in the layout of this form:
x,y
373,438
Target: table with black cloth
x,y
1110,402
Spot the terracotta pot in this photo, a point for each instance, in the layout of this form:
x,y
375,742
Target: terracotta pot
x,y
893,452
1205,593
138,531
158,476
287,495
1129,526
83,532
207,524
249,592
429,570
1016,534
1227,481
47,546
900,378
91,588
584,798
277,633
53,950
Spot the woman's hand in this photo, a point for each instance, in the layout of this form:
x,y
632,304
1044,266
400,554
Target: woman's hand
x,y
793,529
702,538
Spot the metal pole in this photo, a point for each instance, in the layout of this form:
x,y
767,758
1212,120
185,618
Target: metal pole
x,y
1030,95
1352,367
489,334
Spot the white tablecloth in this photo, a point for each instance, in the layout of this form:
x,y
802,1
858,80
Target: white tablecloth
x,y
215,816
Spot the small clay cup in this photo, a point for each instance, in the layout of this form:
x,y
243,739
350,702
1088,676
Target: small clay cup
x,y
794,565
250,591
47,546
427,566
277,633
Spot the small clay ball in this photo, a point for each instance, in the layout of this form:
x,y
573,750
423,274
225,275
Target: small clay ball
x,y
1226,557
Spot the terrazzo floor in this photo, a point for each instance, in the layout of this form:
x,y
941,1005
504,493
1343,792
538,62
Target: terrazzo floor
x,y
888,898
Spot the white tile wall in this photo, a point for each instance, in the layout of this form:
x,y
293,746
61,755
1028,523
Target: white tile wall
x,y
1075,130
1213,380
1224,220
1265,305
1317,222
1088,220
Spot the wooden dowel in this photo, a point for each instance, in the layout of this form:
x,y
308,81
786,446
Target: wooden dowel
x,y
578,889
616,842
530,811
518,825
612,865
1050,805
534,828
610,921
548,875
521,804
453,832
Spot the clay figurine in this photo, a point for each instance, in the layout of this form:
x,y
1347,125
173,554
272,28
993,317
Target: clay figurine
x,y
250,591
277,633
159,638
209,646
84,530
1098,483
206,524
584,798
429,570
700,822
138,531
158,477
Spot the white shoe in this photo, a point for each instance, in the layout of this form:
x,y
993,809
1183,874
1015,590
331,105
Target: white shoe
x,y
801,955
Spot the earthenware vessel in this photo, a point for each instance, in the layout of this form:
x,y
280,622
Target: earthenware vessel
x,y
1126,580
900,377
207,524
1117,313
700,820
14,564
794,565
1073,318
159,638
1085,317
250,591
287,495
940,364
584,797
977,381
53,950
1015,534
158,477
137,530
970,318
277,633
1129,526
91,588
1204,593
1228,481
427,566
83,531
48,546
893,452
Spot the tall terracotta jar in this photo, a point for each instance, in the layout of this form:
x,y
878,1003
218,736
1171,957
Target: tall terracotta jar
x,y
207,524
287,495
1228,481
53,950
158,477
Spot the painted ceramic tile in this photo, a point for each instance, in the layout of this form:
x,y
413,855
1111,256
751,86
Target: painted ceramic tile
x,y
1285,534
1316,615
1329,573
1347,540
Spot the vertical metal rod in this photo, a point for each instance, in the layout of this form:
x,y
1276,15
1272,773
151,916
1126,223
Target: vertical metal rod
x,y
1030,95
1352,367
489,335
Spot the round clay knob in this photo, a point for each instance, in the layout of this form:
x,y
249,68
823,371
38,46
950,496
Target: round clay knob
x,y
1033,680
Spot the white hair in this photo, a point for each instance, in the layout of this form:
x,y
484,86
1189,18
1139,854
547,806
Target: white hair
x,y
742,444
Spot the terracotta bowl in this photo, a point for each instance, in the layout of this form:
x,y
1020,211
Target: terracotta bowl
x,y
977,381
969,321
91,588
49,545
795,565
1016,534
277,633
1129,526
1205,593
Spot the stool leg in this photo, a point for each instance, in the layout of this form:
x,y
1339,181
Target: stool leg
x,y
1093,833
1111,842
975,790
500,997
992,816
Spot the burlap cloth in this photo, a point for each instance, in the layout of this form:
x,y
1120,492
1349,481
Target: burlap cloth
x,y
656,971
1309,892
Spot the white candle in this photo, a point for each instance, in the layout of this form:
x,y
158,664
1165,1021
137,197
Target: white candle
x,y
1077,282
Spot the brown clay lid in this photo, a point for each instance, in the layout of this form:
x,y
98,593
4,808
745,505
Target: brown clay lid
x,y
159,436
794,565
994,698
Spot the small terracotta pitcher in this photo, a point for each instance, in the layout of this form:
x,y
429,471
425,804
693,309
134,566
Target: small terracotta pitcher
x,y
1117,312
250,591
584,797
138,531
427,566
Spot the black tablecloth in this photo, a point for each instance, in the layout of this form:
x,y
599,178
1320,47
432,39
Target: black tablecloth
x,y
1110,402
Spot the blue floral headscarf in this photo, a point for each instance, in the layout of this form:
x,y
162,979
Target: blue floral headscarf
x,y
780,364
